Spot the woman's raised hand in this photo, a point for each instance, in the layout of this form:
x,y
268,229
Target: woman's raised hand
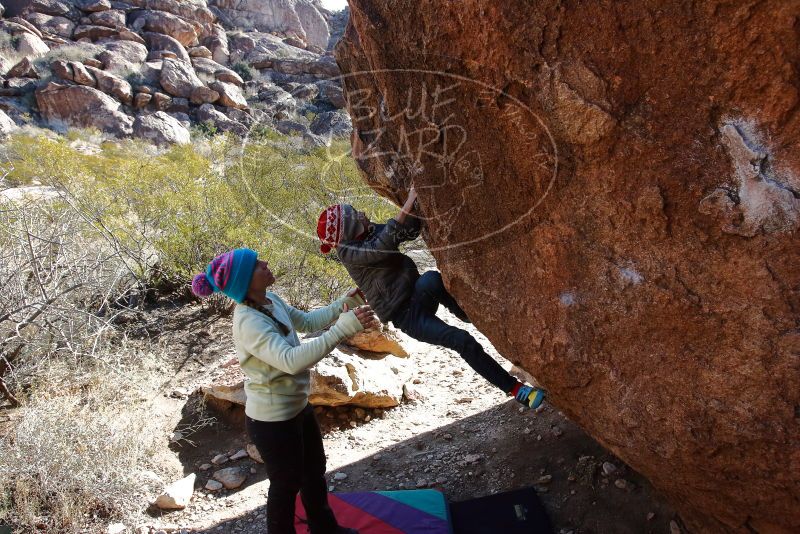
x,y
356,291
365,316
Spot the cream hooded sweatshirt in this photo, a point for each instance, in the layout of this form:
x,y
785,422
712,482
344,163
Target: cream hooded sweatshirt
x,y
277,365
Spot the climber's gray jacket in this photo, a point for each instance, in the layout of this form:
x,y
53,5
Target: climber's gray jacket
x,y
381,271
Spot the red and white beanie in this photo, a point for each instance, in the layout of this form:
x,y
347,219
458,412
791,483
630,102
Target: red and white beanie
x,y
329,227
339,223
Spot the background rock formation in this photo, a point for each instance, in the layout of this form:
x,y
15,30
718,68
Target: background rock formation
x,y
612,194
226,65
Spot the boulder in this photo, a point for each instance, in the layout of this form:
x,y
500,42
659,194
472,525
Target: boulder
x,y
93,32
343,378
159,41
265,51
23,69
162,101
93,6
166,23
291,127
203,95
7,126
209,70
301,17
207,113
323,67
141,100
313,141
113,18
331,92
380,340
15,28
217,43
229,95
190,11
61,69
199,51
177,495
248,116
127,35
84,107
18,86
302,91
31,46
178,78
332,124
276,99
123,57
229,76
618,209
81,75
61,26
113,85
32,28
56,8
161,129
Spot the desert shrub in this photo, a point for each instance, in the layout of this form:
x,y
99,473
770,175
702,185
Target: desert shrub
x,y
70,52
75,455
244,70
205,129
188,203
63,278
67,457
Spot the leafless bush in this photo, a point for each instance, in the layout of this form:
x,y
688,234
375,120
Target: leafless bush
x,y
62,280
73,453
75,456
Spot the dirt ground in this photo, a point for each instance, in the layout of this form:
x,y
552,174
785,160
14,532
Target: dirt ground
x,y
461,436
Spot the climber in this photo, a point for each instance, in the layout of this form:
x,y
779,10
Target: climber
x,y
396,291
279,419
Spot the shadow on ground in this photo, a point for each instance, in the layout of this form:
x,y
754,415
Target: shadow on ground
x,y
496,450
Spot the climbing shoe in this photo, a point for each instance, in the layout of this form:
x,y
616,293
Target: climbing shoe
x,y
529,396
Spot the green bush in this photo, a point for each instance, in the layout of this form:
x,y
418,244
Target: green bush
x,y
189,203
244,70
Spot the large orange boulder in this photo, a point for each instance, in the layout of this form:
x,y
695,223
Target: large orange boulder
x,y
612,192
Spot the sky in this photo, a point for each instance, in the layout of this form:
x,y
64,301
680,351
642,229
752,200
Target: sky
x,y
334,5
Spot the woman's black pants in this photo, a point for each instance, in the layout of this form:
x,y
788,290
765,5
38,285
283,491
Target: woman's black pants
x,y
295,460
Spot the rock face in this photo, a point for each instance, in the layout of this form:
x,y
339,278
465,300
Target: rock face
x,y
175,57
613,196
299,17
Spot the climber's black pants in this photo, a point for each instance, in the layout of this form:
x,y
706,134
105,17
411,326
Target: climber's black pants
x,y
419,321
295,460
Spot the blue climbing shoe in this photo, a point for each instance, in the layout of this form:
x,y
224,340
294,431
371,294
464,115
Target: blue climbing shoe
x,y
530,396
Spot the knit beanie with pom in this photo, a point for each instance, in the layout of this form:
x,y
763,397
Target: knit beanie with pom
x,y
338,224
229,273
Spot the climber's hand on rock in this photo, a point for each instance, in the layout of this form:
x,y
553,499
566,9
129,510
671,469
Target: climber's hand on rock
x,y
412,197
365,316
408,207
